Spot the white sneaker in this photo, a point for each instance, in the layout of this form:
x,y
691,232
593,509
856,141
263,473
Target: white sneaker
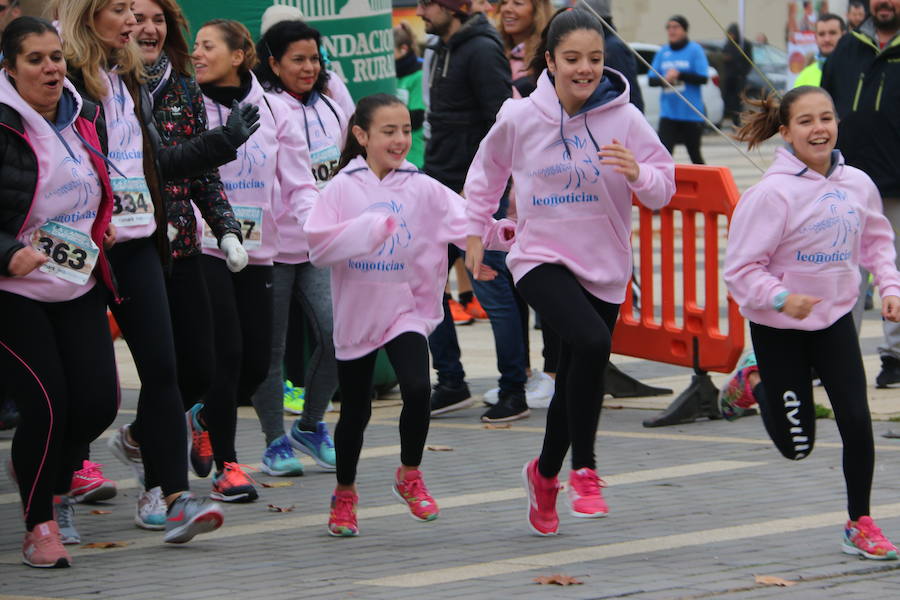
x,y
151,510
539,390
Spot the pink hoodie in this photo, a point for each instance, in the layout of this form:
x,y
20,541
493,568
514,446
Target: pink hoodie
x,y
271,179
800,232
570,210
72,202
386,241
132,217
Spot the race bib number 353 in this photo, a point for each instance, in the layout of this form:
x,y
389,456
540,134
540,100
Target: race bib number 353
x,y
72,253
250,218
133,205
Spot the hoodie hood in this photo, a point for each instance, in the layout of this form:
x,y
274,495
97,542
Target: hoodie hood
x,y
787,163
474,26
67,110
612,91
396,179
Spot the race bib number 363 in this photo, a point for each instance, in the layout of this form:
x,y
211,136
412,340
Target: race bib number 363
x,y
133,205
250,218
72,253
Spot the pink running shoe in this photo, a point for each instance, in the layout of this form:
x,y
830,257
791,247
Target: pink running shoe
x,y
42,548
412,492
89,485
542,517
342,520
585,498
865,539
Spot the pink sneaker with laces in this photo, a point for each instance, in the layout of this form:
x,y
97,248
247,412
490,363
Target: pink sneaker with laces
x,y
585,498
89,485
342,519
542,492
412,492
865,539
42,548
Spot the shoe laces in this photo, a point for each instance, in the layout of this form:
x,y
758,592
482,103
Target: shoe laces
x,y
202,443
322,430
872,532
343,508
588,483
414,489
155,501
65,513
233,470
91,470
282,449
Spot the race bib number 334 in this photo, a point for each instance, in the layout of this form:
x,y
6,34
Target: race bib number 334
x,y
72,253
133,205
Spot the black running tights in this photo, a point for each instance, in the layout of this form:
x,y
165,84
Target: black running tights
x,y
784,394
408,353
584,324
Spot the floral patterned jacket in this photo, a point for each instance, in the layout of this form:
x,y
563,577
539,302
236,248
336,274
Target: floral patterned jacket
x,y
180,115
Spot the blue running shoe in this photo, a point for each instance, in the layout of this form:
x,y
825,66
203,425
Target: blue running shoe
x,y
316,444
279,460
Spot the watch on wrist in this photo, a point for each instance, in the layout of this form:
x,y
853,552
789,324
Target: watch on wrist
x,y
780,299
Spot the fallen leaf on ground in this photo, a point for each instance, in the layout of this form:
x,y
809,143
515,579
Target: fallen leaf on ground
x,y
280,509
439,448
498,426
101,512
105,545
277,484
772,580
557,579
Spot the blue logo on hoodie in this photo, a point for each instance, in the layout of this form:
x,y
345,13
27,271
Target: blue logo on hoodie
x,y
585,171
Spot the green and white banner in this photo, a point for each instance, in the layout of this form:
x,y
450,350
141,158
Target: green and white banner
x,y
357,34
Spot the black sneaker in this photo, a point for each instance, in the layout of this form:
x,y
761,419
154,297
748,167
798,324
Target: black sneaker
x,y
447,397
509,407
890,372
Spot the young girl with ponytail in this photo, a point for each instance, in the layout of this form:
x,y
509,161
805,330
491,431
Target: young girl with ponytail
x,y
383,227
571,260
796,242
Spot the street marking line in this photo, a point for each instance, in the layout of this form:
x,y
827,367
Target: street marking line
x,y
619,549
677,437
131,482
286,523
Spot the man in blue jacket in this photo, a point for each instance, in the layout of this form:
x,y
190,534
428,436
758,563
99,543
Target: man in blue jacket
x,y
683,64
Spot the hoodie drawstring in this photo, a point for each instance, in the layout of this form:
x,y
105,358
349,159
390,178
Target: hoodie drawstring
x,y
86,145
562,135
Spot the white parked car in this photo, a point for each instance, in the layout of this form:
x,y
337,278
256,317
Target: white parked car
x,y
712,96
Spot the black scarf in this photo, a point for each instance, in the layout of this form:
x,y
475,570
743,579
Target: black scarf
x,y
227,94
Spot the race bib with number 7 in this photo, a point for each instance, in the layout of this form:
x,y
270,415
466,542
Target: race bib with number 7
x,y
250,218
133,205
72,253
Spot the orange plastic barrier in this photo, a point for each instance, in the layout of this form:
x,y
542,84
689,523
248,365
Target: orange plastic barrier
x,y
702,193
114,330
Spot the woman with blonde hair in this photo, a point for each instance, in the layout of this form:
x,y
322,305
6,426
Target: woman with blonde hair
x,y
520,23
106,67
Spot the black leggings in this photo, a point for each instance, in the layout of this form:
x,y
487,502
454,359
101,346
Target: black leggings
x,y
784,394
192,326
584,324
143,317
242,337
689,133
57,362
408,353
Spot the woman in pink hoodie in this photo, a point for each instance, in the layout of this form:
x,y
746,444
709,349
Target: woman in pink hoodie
x,y
271,188
56,356
796,242
383,227
572,256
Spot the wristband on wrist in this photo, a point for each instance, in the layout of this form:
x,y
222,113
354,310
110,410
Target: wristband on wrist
x,y
780,299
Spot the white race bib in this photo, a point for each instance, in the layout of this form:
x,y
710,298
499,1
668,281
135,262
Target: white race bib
x,y
72,253
133,205
324,162
251,220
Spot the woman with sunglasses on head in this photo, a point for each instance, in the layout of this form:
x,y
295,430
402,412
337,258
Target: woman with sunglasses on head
x,y
106,66
271,189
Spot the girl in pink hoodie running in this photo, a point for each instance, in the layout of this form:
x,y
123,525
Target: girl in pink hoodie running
x,y
796,242
577,151
383,227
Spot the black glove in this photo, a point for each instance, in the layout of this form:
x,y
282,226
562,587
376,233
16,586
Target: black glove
x,y
241,124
